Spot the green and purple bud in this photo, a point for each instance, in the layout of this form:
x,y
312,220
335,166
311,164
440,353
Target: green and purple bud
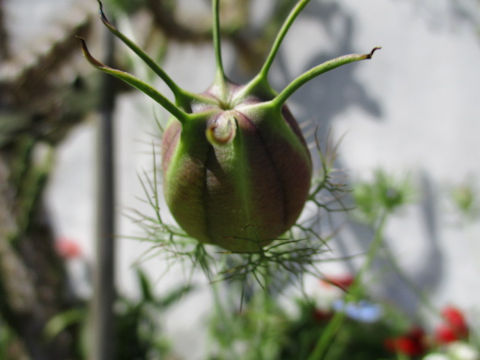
x,y
237,178
236,168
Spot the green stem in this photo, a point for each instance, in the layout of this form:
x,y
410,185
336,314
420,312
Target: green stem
x,y
137,83
281,34
261,79
328,337
217,42
225,320
281,98
424,299
182,97
33,183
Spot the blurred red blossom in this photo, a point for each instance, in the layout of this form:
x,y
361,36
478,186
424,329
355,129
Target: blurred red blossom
x,y
411,343
321,315
341,281
453,327
67,248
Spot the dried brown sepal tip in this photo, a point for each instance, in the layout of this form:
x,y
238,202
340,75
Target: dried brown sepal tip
x,y
102,14
89,56
369,56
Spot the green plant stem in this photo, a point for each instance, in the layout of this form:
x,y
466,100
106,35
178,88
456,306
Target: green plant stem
x,y
418,292
183,98
261,79
281,98
220,77
226,320
328,336
32,185
137,83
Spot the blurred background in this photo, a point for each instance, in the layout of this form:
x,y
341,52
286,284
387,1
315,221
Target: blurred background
x,y
410,117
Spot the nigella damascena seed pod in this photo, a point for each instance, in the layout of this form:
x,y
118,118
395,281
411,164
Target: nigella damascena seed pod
x,y
236,168
240,178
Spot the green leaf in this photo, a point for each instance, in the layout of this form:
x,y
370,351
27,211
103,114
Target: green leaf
x,y
61,321
145,286
175,295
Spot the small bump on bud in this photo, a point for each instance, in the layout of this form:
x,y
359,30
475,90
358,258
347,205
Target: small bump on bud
x,y
221,130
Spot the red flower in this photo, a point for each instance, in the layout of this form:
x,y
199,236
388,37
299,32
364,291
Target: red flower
x,y
341,281
453,328
321,315
67,248
412,343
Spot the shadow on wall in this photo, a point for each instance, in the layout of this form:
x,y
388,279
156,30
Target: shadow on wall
x,y
332,94
322,100
459,13
335,91
405,288
430,271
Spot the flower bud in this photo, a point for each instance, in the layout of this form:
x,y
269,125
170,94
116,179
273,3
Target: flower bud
x,y
239,178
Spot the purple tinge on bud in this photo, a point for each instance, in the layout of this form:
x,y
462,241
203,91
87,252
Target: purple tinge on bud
x,y
235,180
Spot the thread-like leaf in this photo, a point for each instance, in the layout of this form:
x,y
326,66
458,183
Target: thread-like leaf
x,y
280,99
137,83
183,98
